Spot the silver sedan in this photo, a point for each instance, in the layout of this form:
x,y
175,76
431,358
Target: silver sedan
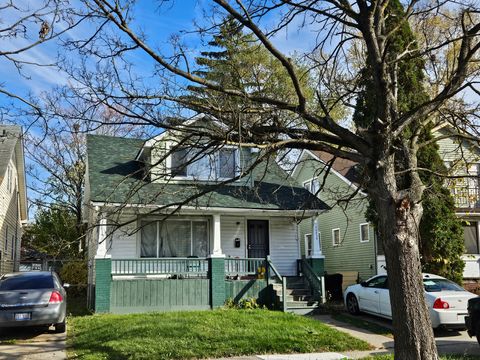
x,y
33,299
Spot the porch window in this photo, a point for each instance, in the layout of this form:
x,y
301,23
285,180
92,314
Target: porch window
x,y
192,163
470,237
174,238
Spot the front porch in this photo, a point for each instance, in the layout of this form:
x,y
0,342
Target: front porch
x,y
168,284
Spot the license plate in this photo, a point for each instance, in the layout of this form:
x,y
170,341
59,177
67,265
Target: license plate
x,y
23,316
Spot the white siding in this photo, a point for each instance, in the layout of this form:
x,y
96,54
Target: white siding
x,y
124,242
284,245
232,228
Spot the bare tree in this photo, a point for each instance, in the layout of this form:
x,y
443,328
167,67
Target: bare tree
x,y
339,28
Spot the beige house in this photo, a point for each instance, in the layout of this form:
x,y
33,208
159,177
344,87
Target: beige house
x,y
13,197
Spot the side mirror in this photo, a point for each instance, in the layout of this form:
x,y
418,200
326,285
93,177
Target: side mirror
x,y
66,285
363,283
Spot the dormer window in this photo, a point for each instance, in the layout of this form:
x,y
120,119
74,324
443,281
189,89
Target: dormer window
x,y
195,164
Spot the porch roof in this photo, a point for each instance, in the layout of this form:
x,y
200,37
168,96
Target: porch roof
x,y
114,176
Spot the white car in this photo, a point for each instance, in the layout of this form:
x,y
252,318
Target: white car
x,y
446,300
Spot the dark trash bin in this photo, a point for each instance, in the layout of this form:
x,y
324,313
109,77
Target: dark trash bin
x,y
333,286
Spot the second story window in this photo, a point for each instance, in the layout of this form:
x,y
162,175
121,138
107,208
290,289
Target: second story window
x,y
194,164
312,185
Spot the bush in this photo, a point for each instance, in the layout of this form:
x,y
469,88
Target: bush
x,y
75,273
246,304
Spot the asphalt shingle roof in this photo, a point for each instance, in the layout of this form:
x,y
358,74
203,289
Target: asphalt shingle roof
x,y
116,177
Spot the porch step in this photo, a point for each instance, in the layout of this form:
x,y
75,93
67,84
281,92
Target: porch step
x,y
298,295
295,298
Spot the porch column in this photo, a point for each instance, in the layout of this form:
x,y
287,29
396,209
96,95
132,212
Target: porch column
x,y
217,267
317,260
103,270
217,237
316,245
102,239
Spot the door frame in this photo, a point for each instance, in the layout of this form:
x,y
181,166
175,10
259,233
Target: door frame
x,y
267,237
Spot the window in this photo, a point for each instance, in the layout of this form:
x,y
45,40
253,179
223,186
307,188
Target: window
x,y
336,237
192,163
12,255
312,185
9,178
308,185
174,238
309,244
26,282
470,237
378,282
6,238
364,232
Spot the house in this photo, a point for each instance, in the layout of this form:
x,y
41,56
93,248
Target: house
x,y
349,242
347,239
462,157
13,197
177,225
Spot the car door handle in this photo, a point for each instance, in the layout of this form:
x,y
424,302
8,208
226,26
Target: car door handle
x,y
376,292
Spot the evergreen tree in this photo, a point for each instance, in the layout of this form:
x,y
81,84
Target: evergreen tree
x,y
237,62
441,232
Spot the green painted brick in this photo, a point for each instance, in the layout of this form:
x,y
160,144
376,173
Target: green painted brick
x,y
217,282
103,280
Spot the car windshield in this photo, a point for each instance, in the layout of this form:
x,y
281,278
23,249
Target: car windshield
x,y
26,282
436,285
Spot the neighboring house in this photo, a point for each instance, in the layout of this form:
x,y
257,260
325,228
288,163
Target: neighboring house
x,y
13,197
462,157
349,243
164,235
347,239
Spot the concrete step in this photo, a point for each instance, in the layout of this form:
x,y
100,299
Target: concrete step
x,y
302,311
294,291
302,304
291,287
295,298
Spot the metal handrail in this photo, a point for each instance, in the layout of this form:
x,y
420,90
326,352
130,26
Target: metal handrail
x,y
318,283
281,278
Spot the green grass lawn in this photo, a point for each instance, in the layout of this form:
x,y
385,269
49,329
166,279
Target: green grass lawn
x,y
201,334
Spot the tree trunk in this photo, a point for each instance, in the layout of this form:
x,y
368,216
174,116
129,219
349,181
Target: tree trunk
x,y
398,223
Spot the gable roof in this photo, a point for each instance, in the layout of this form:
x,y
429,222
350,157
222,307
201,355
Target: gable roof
x,y
114,176
345,167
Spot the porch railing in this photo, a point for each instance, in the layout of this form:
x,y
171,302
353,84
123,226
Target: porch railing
x,y
466,197
245,267
190,267
317,283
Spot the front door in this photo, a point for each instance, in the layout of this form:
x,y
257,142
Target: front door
x,y
257,238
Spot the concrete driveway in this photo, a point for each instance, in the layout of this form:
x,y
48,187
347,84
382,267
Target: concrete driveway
x,y
32,344
448,342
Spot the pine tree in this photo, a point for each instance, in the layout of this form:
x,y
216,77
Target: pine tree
x,y
441,232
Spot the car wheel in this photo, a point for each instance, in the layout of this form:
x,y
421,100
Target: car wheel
x,y
352,305
60,327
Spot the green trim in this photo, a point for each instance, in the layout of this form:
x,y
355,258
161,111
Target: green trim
x,y
217,282
318,265
103,280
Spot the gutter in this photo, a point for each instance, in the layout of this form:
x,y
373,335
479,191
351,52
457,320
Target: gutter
x,y
216,210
